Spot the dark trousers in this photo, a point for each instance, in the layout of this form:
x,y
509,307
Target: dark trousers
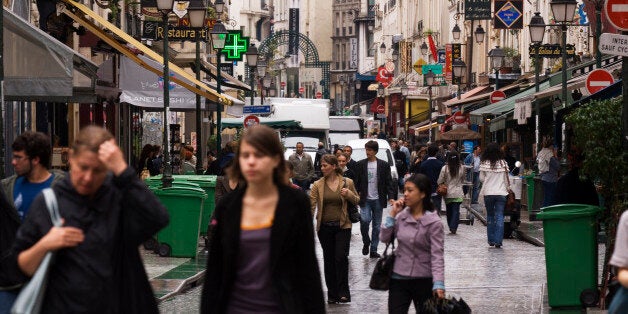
x,y
335,243
404,291
303,184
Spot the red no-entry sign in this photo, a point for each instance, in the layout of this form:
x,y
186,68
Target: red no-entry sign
x,y
381,109
250,121
301,90
283,84
497,96
319,95
598,80
617,12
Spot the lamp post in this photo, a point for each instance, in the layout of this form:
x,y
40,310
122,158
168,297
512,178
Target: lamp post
x,y
340,105
563,11
358,86
219,35
197,20
497,58
261,73
165,7
537,32
429,80
404,94
459,68
266,81
380,94
251,60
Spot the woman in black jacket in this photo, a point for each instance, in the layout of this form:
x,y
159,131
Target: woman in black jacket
x,y
262,256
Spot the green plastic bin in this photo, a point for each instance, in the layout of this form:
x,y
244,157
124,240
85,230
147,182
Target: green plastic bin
x,y
530,184
570,234
184,204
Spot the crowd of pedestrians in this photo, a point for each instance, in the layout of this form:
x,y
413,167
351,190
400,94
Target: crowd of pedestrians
x,y
261,235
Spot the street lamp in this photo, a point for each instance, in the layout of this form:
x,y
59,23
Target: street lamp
x,y
165,7
341,81
196,15
563,11
497,58
251,60
479,34
424,49
537,32
429,80
219,35
358,86
382,48
459,68
455,32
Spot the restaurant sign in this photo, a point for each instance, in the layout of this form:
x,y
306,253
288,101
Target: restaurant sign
x,y
552,51
155,31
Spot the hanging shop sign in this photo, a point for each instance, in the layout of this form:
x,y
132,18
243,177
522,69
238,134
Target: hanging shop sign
x,y
508,14
235,46
477,10
155,31
552,51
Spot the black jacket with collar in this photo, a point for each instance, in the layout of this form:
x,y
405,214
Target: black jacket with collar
x,y
385,187
293,264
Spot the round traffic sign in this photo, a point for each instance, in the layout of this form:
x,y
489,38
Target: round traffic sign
x,y
283,84
319,95
617,12
250,121
459,117
301,90
381,109
598,79
497,96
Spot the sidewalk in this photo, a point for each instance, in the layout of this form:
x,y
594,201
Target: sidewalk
x,y
170,276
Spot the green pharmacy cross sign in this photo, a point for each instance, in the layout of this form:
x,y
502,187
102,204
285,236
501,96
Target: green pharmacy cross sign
x,y
235,46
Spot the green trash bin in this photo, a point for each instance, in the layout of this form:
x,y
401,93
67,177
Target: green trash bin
x,y
184,204
530,184
208,184
570,234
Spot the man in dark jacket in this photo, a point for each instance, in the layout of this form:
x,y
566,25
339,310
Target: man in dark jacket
x,y
400,161
431,168
375,186
317,160
351,164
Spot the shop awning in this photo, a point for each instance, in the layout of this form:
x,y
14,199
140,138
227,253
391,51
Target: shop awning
x,y
271,122
84,16
227,79
572,84
508,104
143,88
479,97
473,92
37,67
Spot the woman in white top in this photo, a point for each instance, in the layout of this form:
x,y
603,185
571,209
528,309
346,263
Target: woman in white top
x,y
452,175
493,175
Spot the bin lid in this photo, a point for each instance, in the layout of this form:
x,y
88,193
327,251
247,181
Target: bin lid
x,y
202,180
183,191
568,211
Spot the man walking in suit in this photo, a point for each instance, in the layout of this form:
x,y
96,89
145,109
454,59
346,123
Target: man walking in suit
x,y
375,186
431,168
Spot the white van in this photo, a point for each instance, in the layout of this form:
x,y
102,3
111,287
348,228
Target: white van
x,y
384,153
345,128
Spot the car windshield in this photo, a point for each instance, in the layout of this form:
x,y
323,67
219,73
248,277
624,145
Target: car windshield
x,y
342,138
383,154
308,142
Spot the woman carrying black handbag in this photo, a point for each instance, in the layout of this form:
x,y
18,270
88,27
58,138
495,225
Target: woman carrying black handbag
x,y
419,233
331,195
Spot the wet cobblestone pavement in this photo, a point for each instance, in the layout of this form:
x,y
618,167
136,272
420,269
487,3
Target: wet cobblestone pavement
x,y
507,280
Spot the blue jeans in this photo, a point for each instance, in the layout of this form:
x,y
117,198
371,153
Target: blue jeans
x,y
549,189
371,211
437,201
7,298
453,215
620,302
495,218
476,188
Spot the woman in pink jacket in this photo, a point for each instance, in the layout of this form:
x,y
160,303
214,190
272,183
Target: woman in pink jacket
x,y
419,268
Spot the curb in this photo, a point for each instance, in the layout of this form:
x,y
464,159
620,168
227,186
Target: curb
x,y
184,285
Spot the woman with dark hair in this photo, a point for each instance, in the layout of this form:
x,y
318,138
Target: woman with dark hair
x,y
330,195
493,175
146,157
419,269
262,257
452,175
343,158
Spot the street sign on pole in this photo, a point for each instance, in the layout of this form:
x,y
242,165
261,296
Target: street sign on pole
x,y
597,80
301,90
283,84
250,121
319,95
381,109
614,44
617,12
497,96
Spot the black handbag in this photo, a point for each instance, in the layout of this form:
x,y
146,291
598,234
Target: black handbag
x,y
447,305
380,280
352,209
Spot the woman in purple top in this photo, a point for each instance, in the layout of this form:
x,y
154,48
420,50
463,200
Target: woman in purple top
x,y
262,258
419,268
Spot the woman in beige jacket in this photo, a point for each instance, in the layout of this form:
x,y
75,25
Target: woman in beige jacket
x,y
330,195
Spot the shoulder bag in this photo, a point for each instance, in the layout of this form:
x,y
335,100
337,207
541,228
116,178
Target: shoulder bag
x,y
352,209
510,198
32,295
380,280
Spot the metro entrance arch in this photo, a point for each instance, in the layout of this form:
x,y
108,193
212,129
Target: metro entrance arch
x,y
306,48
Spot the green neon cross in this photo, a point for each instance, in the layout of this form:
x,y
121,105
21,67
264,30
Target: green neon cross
x,y
235,46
